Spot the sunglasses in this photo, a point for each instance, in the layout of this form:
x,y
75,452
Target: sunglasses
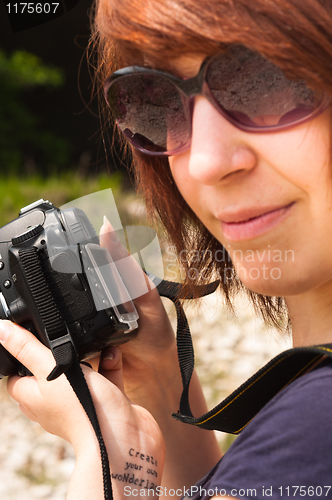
x,y
154,109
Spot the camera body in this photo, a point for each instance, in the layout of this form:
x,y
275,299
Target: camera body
x,y
55,276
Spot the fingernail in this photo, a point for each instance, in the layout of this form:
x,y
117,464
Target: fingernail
x,y
111,232
106,222
109,355
5,328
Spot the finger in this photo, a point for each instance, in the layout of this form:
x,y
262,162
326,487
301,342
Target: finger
x,y
109,239
139,286
111,366
86,364
22,389
26,348
92,362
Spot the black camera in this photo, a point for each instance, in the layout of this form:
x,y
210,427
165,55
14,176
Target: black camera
x,y
59,283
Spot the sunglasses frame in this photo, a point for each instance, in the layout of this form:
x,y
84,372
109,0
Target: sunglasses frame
x,y
197,85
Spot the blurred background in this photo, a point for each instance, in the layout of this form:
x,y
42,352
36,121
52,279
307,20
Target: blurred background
x,y
49,121
51,147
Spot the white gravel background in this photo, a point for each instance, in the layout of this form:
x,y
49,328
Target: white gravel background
x,y
36,465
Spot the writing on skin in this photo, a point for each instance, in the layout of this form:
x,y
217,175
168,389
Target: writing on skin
x,y
142,456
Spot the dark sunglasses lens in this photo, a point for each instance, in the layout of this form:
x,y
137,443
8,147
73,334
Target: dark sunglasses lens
x,y
255,93
149,110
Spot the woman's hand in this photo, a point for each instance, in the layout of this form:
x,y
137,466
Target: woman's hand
x,y
152,377
126,428
151,357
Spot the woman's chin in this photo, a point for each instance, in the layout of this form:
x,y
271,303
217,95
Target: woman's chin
x,y
277,287
266,280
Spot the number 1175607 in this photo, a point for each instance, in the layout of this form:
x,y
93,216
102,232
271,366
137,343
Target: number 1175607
x,y
304,491
32,8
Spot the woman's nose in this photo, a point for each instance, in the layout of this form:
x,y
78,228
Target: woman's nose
x,y
218,149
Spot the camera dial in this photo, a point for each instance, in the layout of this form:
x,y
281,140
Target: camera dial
x,y
34,231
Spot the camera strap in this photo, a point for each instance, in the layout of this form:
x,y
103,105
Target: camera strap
x,y
234,413
77,380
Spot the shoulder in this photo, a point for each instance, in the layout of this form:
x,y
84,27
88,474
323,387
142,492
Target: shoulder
x,y
303,403
295,419
287,443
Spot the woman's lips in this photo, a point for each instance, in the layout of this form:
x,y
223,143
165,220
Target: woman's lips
x,y
254,226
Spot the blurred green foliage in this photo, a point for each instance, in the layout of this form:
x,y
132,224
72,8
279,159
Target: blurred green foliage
x,y
16,193
23,139
23,70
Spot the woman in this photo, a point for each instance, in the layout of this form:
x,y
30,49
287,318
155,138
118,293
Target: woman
x,y
252,176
